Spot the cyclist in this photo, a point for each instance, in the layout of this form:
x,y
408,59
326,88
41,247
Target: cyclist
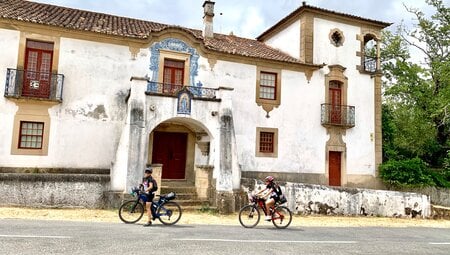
x,y
150,187
271,194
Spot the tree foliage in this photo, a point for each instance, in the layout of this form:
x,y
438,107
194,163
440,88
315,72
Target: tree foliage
x,y
417,92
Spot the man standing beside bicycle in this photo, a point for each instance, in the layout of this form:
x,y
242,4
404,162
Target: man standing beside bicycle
x,y
150,187
271,193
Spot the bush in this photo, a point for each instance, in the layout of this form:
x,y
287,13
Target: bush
x,y
408,172
446,171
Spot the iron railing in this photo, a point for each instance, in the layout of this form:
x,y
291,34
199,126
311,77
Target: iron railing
x,y
338,115
173,89
370,64
30,84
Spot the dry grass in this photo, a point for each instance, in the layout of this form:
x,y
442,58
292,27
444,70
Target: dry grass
x,y
194,217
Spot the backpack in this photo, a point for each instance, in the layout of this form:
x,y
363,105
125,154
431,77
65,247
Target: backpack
x,y
280,194
155,185
278,190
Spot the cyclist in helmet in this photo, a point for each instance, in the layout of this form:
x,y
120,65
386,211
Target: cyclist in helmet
x,y
270,194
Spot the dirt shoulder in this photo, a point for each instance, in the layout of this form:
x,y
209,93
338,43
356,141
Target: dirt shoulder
x,y
195,217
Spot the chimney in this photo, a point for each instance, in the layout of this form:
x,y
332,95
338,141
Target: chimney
x,y
208,11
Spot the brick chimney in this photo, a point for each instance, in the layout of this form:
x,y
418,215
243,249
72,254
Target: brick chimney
x,y
208,11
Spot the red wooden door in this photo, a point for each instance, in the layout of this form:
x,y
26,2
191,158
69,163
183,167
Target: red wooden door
x,y
334,168
38,66
335,101
173,75
169,149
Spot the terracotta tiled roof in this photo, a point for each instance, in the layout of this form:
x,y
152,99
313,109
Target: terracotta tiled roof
x,y
306,7
69,18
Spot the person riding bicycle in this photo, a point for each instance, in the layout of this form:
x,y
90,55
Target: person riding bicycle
x,y
150,186
271,194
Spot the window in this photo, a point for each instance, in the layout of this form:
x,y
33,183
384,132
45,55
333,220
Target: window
x,y
268,88
31,135
268,85
336,37
173,71
266,142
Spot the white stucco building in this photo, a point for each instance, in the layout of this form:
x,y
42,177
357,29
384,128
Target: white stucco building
x,y
92,91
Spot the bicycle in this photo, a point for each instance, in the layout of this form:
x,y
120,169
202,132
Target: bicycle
x,y
249,215
166,211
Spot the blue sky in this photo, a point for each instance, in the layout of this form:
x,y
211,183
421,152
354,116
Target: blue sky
x,y
246,18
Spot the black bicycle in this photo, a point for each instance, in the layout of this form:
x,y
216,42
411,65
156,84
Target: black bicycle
x,y
168,212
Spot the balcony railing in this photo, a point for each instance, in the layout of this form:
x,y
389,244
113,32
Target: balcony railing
x,y
338,115
30,84
370,64
172,90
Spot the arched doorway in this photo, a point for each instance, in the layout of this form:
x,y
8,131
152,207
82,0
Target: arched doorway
x,y
179,144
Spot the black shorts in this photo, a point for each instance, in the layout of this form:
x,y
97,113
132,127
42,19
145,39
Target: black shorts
x,y
150,197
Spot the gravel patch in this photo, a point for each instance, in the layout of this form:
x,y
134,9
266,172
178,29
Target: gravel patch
x,y
195,217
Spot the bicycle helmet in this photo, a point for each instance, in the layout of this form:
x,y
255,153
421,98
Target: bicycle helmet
x,y
148,170
269,178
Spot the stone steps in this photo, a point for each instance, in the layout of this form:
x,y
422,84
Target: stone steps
x,y
186,195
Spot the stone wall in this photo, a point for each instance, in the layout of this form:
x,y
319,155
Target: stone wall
x,y
316,199
54,190
438,196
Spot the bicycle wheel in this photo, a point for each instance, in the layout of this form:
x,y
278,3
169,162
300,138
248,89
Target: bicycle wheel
x,y
249,216
281,217
169,213
131,211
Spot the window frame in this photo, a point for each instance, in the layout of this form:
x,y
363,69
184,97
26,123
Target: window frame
x,y
31,112
21,135
259,132
261,85
268,104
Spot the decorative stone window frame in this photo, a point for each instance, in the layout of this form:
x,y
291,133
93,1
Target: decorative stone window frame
x,y
336,74
268,104
24,36
180,56
366,36
31,112
332,39
274,154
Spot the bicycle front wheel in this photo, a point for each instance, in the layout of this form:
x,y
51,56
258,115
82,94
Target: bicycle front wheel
x,y
249,216
281,217
131,211
169,213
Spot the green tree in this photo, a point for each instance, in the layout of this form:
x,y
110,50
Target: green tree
x,y
417,95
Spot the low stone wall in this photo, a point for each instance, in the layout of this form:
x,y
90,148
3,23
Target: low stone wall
x,y
317,199
54,189
438,196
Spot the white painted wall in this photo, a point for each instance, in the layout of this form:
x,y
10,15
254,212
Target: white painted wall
x,y
360,93
301,136
9,43
287,40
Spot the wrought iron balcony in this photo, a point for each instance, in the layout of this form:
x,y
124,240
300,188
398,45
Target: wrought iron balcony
x,y
168,89
30,84
370,64
338,115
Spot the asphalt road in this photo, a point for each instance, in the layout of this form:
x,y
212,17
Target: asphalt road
x,y
64,237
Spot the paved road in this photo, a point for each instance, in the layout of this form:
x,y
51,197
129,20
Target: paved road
x,y
63,237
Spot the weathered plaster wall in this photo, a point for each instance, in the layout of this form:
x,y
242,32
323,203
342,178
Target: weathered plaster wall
x,y
9,43
86,126
316,199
